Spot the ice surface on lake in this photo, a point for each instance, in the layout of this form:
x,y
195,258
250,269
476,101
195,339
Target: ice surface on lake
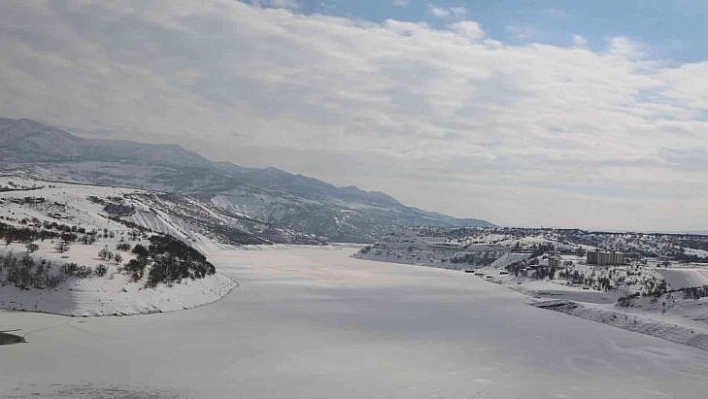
x,y
314,323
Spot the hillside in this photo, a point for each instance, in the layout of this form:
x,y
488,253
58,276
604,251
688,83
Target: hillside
x,y
24,140
269,195
89,251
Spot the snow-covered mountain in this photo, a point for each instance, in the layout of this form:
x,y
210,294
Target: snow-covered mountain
x,y
24,140
269,195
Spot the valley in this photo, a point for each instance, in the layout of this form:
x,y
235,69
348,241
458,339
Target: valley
x,y
313,322
325,199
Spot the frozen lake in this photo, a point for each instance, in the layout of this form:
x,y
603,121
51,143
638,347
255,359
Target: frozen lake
x,y
314,323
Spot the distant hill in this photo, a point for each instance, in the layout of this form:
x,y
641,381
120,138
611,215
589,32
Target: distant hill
x,y
24,140
273,196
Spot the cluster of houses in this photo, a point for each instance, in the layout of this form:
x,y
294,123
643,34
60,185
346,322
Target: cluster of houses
x,y
554,259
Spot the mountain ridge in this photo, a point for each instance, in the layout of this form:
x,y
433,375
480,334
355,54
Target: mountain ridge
x,y
270,194
20,138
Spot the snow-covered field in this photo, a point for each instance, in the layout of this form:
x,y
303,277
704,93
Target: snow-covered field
x,y
312,322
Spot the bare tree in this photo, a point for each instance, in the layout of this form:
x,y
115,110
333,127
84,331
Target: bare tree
x,y
62,246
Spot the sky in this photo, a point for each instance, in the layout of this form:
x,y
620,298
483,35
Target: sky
x,y
524,113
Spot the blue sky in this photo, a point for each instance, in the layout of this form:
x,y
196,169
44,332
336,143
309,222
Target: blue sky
x,y
673,31
586,114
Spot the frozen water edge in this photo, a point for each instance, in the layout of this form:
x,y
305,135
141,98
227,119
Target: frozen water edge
x,y
691,336
600,306
117,297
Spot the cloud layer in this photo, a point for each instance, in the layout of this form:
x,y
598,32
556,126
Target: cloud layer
x,y
446,119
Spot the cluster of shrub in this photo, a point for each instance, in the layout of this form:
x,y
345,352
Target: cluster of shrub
x,y
531,269
52,230
13,187
576,277
62,227
74,270
25,272
474,259
119,210
22,234
696,242
105,254
96,200
695,292
540,249
686,258
170,261
36,223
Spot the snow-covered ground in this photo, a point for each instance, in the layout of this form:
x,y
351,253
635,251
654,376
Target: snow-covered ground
x,y
311,322
114,293
684,277
117,297
674,329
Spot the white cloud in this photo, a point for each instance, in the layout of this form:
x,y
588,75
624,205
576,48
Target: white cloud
x,y
469,29
456,13
518,134
401,3
287,4
579,41
439,12
624,47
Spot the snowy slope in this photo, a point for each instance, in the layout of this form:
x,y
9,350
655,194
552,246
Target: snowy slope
x,y
39,205
116,296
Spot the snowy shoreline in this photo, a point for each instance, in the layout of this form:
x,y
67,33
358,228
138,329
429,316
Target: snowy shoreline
x,y
592,305
64,253
93,297
601,307
689,336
